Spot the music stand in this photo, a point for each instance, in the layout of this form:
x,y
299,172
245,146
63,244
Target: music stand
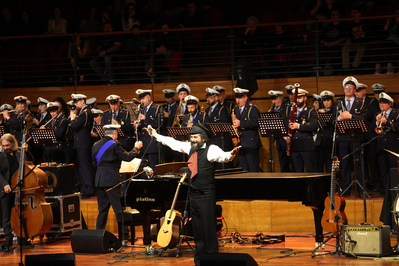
x,y
353,127
1,131
101,132
178,133
222,130
272,128
44,137
70,135
324,119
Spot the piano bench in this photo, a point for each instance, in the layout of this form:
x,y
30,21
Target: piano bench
x,y
130,218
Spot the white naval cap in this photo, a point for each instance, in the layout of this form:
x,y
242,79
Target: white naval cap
x,y
183,87
210,91
28,102
20,98
6,106
273,94
91,101
191,99
301,92
240,92
289,88
316,97
70,103
326,94
350,80
112,126
385,97
97,111
362,86
378,87
168,93
78,96
219,88
141,93
41,100
112,98
53,106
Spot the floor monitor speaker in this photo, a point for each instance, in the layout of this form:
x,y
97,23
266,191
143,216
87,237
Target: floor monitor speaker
x,y
94,241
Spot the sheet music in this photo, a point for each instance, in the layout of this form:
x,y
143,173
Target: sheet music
x,y
130,167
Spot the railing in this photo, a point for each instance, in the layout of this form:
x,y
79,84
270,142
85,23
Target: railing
x,y
196,54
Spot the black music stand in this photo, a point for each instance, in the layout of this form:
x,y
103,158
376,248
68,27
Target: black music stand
x,y
270,115
222,130
1,131
178,133
44,137
272,128
101,132
324,119
353,127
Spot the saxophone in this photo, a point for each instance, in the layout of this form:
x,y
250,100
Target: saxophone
x,y
235,140
176,119
189,123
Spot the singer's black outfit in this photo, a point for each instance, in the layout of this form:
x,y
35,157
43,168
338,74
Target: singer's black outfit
x,y
107,176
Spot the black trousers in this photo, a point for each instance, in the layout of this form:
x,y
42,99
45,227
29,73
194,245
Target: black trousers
x,y
105,200
203,214
85,171
249,160
304,160
7,202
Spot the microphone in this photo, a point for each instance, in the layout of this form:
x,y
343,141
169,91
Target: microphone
x,y
184,170
150,130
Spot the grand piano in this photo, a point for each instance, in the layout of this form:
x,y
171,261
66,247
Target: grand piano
x,y
309,188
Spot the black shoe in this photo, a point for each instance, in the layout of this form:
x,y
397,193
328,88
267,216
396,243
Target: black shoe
x,y
6,248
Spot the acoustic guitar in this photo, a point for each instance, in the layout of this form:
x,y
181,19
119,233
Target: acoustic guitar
x,y
328,221
168,235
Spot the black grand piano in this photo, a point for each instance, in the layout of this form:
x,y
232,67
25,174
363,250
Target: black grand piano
x,y
309,188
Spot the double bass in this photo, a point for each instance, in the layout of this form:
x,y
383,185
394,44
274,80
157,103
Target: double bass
x,y
31,215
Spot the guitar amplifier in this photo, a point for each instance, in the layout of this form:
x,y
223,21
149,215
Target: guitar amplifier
x,y
61,179
366,240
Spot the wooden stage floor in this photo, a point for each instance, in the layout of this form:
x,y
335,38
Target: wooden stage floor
x,y
296,250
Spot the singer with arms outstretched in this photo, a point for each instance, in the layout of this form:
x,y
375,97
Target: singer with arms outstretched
x,y
202,192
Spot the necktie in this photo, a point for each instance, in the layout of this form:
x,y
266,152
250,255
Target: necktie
x,y
210,112
52,123
41,118
182,109
193,164
348,105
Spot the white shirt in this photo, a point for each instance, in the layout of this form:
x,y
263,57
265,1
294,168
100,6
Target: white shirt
x,y
215,154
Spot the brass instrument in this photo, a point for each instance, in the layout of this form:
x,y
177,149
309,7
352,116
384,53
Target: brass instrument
x,y
189,123
10,111
176,119
236,141
271,108
379,129
292,119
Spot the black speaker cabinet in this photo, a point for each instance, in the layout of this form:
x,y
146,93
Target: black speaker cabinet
x,y
62,259
61,179
94,241
367,240
227,259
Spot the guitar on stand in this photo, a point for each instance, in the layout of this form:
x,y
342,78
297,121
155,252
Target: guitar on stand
x,y
329,221
169,233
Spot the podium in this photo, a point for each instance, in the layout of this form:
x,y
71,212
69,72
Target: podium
x,y
272,128
101,132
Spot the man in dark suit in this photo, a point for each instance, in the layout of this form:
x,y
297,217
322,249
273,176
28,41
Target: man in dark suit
x,y
9,163
302,144
194,114
217,113
387,118
278,106
246,123
44,115
16,121
117,115
107,156
350,108
81,122
151,116
183,90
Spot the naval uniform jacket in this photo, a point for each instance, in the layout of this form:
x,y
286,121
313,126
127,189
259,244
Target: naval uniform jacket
x,y
107,172
82,126
219,115
168,122
199,118
45,119
302,139
16,124
151,118
249,134
390,140
325,135
123,118
358,111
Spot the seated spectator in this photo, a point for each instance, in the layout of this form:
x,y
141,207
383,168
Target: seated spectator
x,y
91,22
358,40
57,24
107,50
77,51
129,17
8,25
251,40
27,25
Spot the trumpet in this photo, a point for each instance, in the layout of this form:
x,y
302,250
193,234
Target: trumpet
x,y
379,129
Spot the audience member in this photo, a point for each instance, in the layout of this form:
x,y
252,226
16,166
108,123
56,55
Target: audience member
x,y
57,24
91,22
77,51
129,17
